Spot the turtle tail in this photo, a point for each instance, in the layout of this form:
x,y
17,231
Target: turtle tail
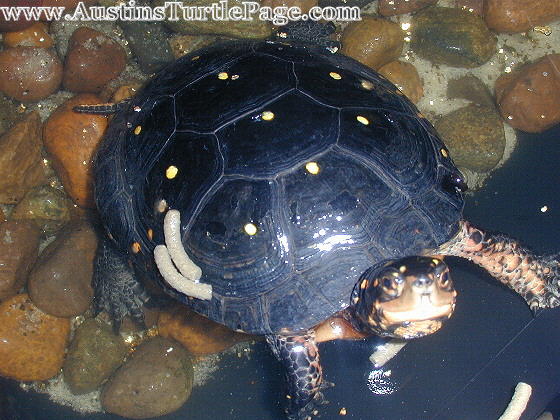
x,y
535,278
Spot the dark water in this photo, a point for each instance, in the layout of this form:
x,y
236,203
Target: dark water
x,y
466,371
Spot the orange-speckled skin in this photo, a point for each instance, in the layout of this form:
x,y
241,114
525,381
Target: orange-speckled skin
x,y
534,278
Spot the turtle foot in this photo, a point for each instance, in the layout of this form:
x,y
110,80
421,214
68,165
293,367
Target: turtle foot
x,y
117,291
550,295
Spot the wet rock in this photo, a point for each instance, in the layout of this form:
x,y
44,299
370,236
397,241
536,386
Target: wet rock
x,y
475,137
472,89
93,355
21,164
34,36
71,138
405,77
57,287
400,7
528,98
2,216
452,36
254,29
93,60
45,207
472,6
33,342
29,74
303,5
148,42
9,114
21,22
198,334
345,3
156,380
19,245
184,44
373,41
519,16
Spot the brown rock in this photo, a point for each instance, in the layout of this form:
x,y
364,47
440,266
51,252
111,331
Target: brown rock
x,y
372,41
528,98
29,74
2,216
33,342
93,59
472,89
405,77
71,138
400,7
57,287
21,165
21,22
198,334
19,245
472,6
34,36
156,380
519,15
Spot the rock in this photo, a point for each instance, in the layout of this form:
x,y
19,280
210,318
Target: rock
x,y
34,36
197,333
59,288
21,164
33,342
93,60
29,74
475,137
304,5
373,41
71,138
254,29
400,7
184,44
45,207
148,42
21,22
93,355
472,6
10,113
345,3
528,98
472,89
2,216
19,245
156,380
452,36
405,77
518,15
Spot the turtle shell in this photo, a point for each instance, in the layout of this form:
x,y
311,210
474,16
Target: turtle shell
x,y
294,171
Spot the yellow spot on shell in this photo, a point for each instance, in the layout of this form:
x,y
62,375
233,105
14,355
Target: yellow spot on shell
x,y
138,129
342,411
223,75
171,172
362,120
267,115
367,85
312,168
435,261
135,247
150,234
335,75
444,152
363,284
250,229
196,57
402,268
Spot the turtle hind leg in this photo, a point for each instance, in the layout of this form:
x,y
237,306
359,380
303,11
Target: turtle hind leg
x,y
536,279
117,290
299,357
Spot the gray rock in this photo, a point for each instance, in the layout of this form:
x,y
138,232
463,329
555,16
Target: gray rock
x,y
8,113
156,380
452,36
472,89
475,137
93,355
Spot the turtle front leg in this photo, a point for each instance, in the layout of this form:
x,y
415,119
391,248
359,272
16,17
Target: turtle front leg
x,y
116,288
536,279
299,356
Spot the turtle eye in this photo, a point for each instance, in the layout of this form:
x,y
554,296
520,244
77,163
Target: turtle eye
x,y
444,279
455,181
390,284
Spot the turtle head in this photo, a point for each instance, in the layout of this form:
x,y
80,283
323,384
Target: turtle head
x,y
406,298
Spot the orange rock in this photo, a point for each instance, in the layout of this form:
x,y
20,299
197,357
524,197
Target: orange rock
x,y
93,59
400,7
405,77
21,166
71,139
528,98
29,74
373,41
32,343
19,246
34,36
519,15
198,334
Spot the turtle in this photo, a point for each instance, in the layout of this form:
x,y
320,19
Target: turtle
x,y
278,187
